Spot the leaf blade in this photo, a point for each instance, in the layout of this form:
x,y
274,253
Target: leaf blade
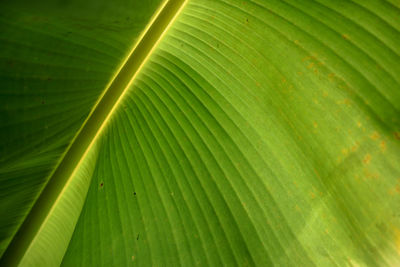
x,y
243,149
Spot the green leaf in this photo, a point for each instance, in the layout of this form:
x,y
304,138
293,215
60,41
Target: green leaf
x,y
256,133
56,59
51,241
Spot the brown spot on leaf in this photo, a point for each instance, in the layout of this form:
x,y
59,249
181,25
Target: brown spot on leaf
x,y
317,173
367,159
375,136
370,175
382,146
355,147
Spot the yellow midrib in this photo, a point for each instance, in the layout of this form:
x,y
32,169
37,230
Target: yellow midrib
x,y
90,130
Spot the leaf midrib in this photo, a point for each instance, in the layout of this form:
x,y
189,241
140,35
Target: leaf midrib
x,y
90,131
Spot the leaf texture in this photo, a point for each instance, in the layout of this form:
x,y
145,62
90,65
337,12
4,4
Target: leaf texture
x,y
56,59
258,133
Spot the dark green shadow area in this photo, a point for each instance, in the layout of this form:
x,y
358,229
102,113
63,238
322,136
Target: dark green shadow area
x,y
56,59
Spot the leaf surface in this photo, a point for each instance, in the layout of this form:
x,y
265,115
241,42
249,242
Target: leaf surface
x,y
257,133
56,59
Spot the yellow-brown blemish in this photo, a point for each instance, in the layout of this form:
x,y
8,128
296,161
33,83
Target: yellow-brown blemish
x,y
344,101
345,36
331,76
317,173
375,136
296,42
396,135
395,190
370,175
355,147
367,159
345,151
299,73
315,124
311,65
359,124
382,146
